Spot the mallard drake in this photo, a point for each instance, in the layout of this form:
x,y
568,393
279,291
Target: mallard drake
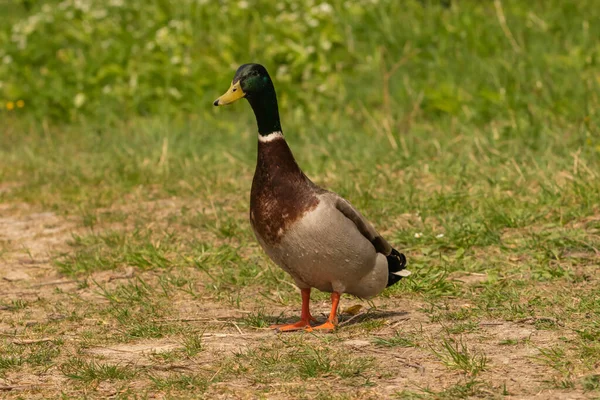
x,y
313,234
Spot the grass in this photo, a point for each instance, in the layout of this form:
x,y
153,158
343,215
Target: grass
x,y
469,139
88,372
193,345
301,359
455,354
35,355
591,382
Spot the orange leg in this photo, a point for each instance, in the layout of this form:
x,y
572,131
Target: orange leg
x,y
332,321
305,317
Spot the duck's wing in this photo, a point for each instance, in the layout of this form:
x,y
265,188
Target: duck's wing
x,y
361,223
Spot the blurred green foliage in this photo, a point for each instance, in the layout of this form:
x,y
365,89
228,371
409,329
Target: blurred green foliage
x,y
96,57
117,58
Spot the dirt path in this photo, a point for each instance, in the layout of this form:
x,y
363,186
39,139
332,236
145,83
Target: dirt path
x,y
379,354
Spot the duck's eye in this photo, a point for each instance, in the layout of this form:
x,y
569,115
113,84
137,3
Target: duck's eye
x,y
234,89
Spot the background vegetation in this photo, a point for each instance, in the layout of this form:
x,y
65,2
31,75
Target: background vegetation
x,y
468,133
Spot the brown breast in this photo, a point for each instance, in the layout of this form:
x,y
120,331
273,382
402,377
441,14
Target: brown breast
x,y
281,193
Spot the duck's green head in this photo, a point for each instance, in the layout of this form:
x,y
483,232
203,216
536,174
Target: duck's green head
x,y
250,81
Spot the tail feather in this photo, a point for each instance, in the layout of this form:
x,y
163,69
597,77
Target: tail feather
x,y
396,267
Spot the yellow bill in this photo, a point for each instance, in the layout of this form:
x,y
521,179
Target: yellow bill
x,y
234,93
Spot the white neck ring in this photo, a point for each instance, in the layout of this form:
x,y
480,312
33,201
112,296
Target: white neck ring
x,y
270,137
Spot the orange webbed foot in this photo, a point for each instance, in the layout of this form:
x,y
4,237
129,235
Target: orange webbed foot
x,y
332,321
298,326
305,317
327,326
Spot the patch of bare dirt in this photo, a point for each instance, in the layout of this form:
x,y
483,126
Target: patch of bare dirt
x,y
132,352
28,240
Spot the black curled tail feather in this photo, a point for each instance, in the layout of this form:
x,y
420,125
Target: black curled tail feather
x,y
396,263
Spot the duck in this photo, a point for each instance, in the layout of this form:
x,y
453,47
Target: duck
x,y
313,234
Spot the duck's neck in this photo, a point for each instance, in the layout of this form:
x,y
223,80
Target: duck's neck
x,y
275,158
266,111
276,167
